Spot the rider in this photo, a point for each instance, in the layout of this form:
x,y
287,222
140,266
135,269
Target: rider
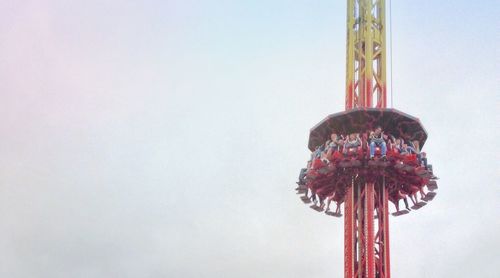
x,y
333,145
398,145
377,139
352,142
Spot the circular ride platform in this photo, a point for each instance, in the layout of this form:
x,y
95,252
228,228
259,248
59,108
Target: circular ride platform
x,y
327,179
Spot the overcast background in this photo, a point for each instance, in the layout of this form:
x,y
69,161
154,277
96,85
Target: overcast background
x,y
163,138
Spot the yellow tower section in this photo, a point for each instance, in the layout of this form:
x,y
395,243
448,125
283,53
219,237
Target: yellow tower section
x,y
366,54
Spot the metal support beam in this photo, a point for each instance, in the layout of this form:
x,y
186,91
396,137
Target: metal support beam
x,y
369,230
385,260
366,230
366,54
366,253
349,225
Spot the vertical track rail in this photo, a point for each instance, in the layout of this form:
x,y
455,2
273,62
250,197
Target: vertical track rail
x,y
366,230
387,253
369,230
349,234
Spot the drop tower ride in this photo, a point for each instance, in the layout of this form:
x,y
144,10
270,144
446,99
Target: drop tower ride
x,y
364,182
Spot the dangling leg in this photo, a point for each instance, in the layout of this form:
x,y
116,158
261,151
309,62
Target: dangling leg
x,y
396,204
383,149
328,202
406,203
337,209
413,198
372,149
313,197
302,176
321,202
422,193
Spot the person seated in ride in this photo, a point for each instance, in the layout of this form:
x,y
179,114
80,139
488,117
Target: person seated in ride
x,y
325,157
302,176
411,149
404,149
341,141
377,139
421,156
316,158
303,172
393,144
397,145
352,144
411,153
332,145
317,152
423,160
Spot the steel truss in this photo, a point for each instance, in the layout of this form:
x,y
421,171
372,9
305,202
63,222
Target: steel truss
x,y
366,54
366,241
366,234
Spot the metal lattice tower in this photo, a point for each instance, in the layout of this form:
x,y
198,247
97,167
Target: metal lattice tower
x,y
366,54
366,87
365,184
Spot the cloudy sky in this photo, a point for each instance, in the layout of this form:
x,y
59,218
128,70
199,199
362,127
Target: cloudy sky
x,y
163,138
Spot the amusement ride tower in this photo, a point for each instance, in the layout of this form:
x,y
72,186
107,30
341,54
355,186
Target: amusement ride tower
x,y
354,164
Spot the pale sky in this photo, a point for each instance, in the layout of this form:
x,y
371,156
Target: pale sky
x,y
163,138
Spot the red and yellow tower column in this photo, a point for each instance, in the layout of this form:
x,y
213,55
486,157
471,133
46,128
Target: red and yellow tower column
x,y
366,54
366,253
365,183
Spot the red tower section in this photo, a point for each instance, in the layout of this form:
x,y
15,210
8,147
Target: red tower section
x,y
368,155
